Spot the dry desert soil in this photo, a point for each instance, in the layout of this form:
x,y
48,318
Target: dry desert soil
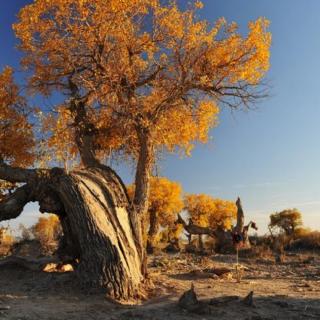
x,y
290,290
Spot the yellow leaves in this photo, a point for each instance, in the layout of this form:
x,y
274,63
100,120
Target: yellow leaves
x,y
60,144
16,136
198,4
167,77
165,199
47,230
209,212
194,126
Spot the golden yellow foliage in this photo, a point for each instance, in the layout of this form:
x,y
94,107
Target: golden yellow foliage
x,y
165,202
165,199
206,211
47,230
166,81
16,135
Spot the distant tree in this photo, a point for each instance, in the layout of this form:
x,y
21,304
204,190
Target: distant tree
x,y
287,221
206,211
47,231
165,202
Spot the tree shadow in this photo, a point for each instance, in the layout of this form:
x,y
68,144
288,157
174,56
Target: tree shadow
x,y
263,308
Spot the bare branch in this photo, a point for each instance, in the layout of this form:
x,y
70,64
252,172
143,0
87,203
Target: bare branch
x,y
12,205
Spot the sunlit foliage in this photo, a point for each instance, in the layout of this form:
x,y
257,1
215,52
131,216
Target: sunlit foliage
x,y
165,202
16,135
206,211
141,68
47,231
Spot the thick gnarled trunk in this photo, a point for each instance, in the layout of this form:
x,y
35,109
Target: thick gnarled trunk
x,y
96,215
97,209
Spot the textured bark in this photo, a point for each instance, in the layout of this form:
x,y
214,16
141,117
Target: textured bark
x,y
200,242
13,204
153,230
144,167
95,216
242,229
12,174
240,217
85,133
97,208
142,190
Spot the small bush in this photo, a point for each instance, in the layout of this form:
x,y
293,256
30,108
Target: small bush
x,y
6,241
309,240
48,232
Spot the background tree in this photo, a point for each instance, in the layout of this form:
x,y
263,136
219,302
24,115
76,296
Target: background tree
x,y
125,88
208,212
286,221
165,202
48,231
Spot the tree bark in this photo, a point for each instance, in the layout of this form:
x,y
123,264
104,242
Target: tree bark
x,y
13,204
142,190
143,172
96,218
200,242
240,217
85,131
242,229
153,230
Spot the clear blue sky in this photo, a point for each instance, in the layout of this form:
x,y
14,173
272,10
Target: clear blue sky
x,y
269,157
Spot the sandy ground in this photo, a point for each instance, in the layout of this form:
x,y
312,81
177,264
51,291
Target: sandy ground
x,y
287,291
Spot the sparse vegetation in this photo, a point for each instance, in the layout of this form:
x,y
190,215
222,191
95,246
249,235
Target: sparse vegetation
x,y
48,232
6,241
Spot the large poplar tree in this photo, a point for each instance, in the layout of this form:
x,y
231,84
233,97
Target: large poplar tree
x,y
135,78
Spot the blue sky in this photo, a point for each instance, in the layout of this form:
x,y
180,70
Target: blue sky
x,y
269,157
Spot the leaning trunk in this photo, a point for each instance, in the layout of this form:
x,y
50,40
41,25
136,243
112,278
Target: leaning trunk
x,y
97,208
94,209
